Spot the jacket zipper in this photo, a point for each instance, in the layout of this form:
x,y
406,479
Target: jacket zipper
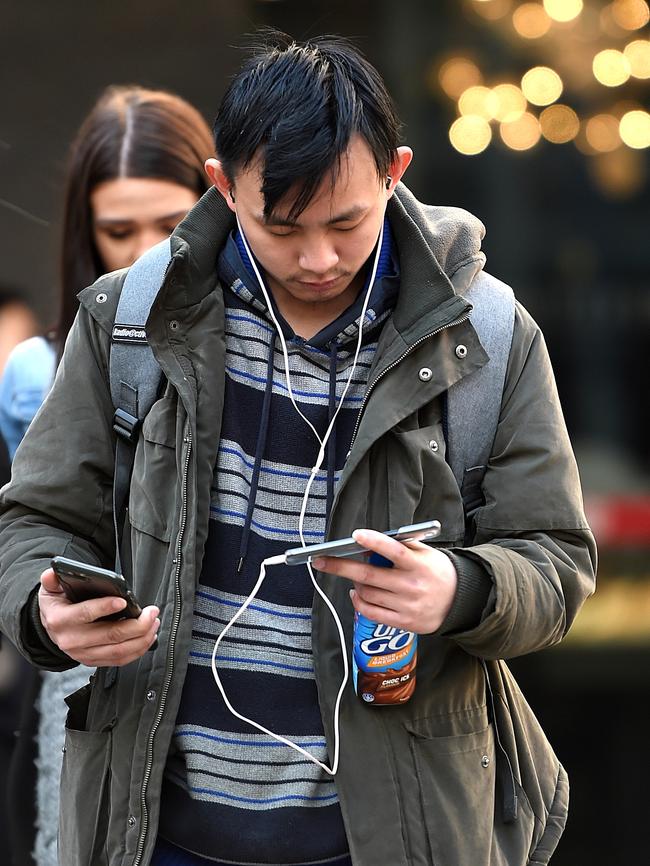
x,y
399,361
170,656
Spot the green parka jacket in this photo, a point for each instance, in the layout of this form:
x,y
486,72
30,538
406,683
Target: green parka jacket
x,y
460,775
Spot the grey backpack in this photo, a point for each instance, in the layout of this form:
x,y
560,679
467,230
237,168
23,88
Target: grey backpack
x,y
135,377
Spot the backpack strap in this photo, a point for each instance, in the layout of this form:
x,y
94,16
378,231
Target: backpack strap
x,y
474,402
134,372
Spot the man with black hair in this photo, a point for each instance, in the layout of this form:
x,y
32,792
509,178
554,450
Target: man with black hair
x,y
310,325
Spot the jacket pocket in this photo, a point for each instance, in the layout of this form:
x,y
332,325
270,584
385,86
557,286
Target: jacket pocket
x,y
153,482
457,781
85,777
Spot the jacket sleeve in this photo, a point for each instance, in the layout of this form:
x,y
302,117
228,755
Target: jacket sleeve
x,y
530,539
59,500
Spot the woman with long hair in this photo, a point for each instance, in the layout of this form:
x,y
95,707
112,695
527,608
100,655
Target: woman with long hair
x,y
135,169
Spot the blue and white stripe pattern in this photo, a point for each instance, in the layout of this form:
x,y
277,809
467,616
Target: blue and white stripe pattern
x,y
231,793
274,638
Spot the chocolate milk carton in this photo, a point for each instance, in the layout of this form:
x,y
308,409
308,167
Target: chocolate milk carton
x,y
383,657
383,662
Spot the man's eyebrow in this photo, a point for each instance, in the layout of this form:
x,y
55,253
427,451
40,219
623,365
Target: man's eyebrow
x,y
348,216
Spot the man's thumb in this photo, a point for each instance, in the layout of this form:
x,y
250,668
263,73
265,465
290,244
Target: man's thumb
x,y
50,582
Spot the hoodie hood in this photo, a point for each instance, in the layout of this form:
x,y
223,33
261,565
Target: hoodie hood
x,y
457,244
236,273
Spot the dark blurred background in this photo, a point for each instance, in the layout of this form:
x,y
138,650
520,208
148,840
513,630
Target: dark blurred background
x,y
559,175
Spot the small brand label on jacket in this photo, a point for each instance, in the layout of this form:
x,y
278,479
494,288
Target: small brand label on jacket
x,y
129,334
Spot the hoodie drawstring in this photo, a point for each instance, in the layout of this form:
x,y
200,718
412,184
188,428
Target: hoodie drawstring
x,y
259,453
331,445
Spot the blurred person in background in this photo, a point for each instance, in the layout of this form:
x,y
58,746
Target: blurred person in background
x,y
17,322
135,169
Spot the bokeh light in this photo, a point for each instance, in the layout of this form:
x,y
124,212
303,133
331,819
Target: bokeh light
x,y
563,10
528,112
635,129
559,124
630,14
602,133
521,134
470,134
478,100
457,74
531,21
611,67
637,54
510,102
541,85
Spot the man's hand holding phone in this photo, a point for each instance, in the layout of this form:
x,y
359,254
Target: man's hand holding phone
x,y
415,595
79,630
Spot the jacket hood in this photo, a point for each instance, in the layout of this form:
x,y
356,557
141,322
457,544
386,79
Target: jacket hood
x,y
452,235
438,248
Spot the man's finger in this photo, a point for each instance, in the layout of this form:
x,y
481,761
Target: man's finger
x,y
359,572
376,613
379,597
368,573
123,630
109,636
50,582
395,551
118,655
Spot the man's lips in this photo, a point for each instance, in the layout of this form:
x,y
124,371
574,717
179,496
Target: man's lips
x,y
319,285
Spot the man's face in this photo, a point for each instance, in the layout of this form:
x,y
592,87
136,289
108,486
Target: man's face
x,y
314,265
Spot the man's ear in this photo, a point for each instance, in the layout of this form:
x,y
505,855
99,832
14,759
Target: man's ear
x,y
398,166
217,175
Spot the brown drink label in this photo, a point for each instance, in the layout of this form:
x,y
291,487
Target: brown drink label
x,y
389,686
383,662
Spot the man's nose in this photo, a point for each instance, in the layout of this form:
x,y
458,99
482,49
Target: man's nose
x,y
318,257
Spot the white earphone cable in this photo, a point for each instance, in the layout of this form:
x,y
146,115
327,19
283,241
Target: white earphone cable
x,y
277,560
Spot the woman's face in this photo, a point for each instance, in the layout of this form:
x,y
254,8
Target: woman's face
x,y
131,214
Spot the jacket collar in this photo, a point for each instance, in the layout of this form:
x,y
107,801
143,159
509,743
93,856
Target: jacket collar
x,y
427,298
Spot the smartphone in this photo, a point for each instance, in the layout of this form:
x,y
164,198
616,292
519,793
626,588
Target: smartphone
x,y
80,581
426,531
